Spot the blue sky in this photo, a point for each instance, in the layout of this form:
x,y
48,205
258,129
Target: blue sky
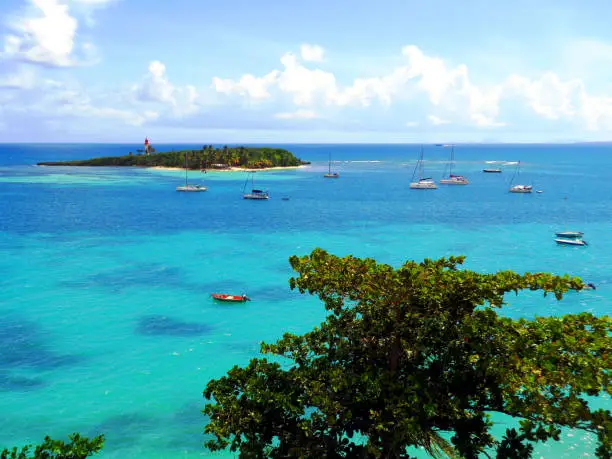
x,y
317,71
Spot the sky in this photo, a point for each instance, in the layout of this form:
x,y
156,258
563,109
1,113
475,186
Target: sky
x,y
246,71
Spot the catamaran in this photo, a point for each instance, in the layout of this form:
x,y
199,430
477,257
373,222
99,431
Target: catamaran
x,y
255,194
453,179
331,174
422,183
188,187
519,188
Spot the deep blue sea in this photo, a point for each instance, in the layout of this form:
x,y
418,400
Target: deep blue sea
x,y
106,323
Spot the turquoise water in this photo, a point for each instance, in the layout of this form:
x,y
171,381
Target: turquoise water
x,y
105,274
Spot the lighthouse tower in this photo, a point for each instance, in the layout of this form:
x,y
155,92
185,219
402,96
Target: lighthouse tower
x,y
146,147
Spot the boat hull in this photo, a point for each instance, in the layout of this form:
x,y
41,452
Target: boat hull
x,y
230,298
332,176
453,182
575,242
492,171
521,189
423,186
191,188
256,197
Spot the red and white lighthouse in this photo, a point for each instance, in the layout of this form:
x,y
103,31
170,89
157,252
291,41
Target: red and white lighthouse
x,y
146,146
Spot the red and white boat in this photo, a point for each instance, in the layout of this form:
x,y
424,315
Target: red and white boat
x,y
230,298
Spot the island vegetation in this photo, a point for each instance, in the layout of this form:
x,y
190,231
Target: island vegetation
x,y
207,157
417,357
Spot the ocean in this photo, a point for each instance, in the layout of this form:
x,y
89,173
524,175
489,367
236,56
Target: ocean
x,y
107,325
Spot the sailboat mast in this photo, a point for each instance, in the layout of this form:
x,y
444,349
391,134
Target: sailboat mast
x,y
329,169
452,158
421,164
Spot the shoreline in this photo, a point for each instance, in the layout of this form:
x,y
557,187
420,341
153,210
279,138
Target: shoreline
x,y
231,169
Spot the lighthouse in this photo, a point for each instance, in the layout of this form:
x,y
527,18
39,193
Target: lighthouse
x,y
146,146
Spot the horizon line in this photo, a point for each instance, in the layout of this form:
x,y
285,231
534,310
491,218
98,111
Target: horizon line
x,y
573,142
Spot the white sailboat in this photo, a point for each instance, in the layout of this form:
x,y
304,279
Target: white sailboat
x,y
255,194
422,183
331,174
453,179
187,186
519,188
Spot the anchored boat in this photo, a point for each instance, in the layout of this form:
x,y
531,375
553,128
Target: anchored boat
x,y
230,298
421,183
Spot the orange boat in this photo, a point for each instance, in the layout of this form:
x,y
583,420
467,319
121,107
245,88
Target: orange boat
x,y
230,298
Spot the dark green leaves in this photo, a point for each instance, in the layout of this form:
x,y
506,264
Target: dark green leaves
x,y
411,356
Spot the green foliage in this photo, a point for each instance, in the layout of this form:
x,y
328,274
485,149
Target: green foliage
x,y
77,448
411,356
205,158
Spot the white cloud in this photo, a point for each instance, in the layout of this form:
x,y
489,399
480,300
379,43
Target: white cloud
x,y
436,120
311,53
248,85
429,91
156,88
298,114
45,34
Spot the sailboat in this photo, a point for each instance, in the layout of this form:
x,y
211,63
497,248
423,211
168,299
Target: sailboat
x,y
188,187
519,188
453,179
255,194
422,183
331,174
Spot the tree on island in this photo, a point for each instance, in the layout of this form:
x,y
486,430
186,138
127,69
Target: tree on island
x,y
77,448
257,158
416,357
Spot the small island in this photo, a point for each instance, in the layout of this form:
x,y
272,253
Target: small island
x,y
208,157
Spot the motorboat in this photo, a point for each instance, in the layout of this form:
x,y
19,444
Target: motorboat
x,y
230,298
576,242
569,234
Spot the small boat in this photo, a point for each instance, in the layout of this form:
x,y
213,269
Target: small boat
x,y
230,298
331,174
453,179
577,241
188,187
569,234
492,171
255,194
422,183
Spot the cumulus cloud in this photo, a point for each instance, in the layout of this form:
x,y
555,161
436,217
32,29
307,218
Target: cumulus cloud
x,y
45,33
422,90
156,88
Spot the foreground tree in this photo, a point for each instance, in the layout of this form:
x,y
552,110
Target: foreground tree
x,y
411,356
77,448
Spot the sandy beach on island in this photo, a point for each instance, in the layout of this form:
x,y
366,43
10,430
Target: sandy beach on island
x,y
231,169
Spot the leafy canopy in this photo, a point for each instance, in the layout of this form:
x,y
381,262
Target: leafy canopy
x,y
410,357
77,448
